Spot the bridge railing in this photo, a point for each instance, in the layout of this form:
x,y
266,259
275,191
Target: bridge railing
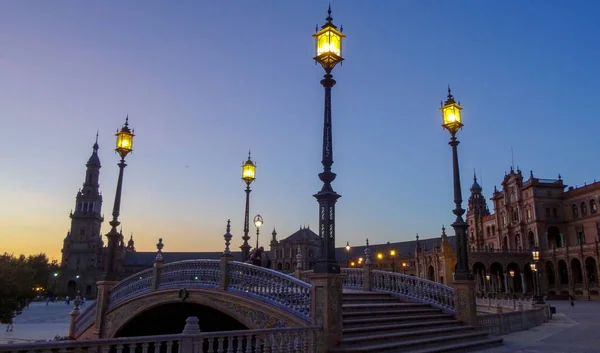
x,y
294,339
190,274
397,284
86,319
132,286
284,291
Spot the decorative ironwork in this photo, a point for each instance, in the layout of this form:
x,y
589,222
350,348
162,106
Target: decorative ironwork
x,y
132,286
283,291
190,274
415,288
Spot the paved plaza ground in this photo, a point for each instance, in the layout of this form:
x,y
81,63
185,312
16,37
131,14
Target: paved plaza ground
x,y
39,322
570,331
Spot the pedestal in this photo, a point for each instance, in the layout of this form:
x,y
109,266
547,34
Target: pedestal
x,y
465,301
104,287
74,315
326,308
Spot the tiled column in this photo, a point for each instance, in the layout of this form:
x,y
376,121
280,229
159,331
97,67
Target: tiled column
x,y
326,308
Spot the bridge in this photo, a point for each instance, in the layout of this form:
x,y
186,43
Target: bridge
x,y
256,309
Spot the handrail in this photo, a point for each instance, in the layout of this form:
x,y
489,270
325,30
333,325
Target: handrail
x,y
86,319
415,288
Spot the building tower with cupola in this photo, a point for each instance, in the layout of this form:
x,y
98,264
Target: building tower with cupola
x,y
476,211
82,252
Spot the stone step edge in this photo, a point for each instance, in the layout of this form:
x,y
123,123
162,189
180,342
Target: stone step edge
x,y
399,318
401,325
421,332
461,345
378,312
400,344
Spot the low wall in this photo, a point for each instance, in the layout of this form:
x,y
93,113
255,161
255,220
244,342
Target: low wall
x,y
507,322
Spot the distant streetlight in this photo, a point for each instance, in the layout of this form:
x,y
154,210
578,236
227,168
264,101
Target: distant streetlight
x,y
258,222
393,257
347,254
404,266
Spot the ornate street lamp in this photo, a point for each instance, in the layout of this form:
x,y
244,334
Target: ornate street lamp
x,y
258,222
347,254
404,266
452,122
123,148
512,279
393,257
248,176
538,297
328,53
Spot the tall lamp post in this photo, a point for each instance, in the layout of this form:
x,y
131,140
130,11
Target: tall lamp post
x,y
248,176
258,222
328,54
347,254
452,122
538,297
393,257
123,148
404,266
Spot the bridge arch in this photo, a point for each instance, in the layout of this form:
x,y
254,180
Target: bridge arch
x,y
249,312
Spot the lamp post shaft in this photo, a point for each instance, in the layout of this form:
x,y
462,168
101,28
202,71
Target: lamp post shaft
x,y
113,235
326,263
257,231
459,225
246,247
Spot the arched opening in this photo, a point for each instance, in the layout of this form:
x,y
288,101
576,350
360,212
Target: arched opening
x,y
430,273
505,243
550,274
71,289
592,272
479,273
170,319
514,278
518,244
563,272
287,266
532,241
497,278
279,267
554,237
576,272
593,207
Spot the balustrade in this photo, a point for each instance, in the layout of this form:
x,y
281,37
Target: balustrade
x,y
86,319
280,289
503,323
415,288
293,340
353,278
130,287
190,273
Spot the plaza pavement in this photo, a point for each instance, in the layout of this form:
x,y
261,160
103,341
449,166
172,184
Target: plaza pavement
x,y
570,331
40,322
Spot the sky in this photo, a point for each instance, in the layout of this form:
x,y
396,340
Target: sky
x,y
205,81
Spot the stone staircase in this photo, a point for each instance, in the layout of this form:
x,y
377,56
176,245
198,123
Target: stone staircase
x,y
377,322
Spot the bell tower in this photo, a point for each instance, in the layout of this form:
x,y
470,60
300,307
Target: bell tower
x,y
82,248
476,211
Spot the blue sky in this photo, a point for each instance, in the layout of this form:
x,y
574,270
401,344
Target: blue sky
x,y
204,81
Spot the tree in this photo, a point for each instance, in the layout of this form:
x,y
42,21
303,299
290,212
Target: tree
x,y
19,278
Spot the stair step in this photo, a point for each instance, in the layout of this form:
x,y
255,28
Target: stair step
x,y
356,300
400,318
394,305
372,313
403,335
460,347
381,328
420,343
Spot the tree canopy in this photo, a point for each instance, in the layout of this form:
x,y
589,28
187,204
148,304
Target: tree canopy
x,y
21,279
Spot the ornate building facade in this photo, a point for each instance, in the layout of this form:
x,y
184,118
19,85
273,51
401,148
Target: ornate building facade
x,y
528,213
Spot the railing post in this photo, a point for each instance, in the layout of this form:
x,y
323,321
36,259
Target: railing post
x,y
464,297
225,258
156,270
74,315
186,344
298,270
367,268
224,272
104,288
326,308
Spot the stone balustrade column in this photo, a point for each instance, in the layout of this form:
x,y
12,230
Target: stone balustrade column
x,y
326,308
104,288
298,270
367,268
224,265
74,315
192,328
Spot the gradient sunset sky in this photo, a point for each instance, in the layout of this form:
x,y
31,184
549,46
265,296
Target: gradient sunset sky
x,y
204,81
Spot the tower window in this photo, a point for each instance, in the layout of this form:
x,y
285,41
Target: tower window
x,y
593,207
583,209
528,214
575,211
